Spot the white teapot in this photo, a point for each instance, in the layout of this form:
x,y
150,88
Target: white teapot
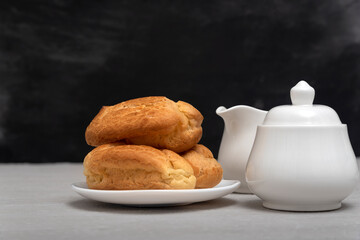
x,y
301,158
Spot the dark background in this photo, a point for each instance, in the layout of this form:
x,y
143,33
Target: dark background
x,y
60,61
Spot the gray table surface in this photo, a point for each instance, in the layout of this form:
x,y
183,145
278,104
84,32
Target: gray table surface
x,y
37,202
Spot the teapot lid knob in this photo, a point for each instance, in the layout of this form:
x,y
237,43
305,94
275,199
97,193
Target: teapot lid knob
x,y
302,94
302,112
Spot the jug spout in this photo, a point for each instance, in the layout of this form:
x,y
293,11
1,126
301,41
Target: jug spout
x,y
228,115
223,112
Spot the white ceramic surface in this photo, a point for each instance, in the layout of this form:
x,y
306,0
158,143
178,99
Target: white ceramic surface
x,y
238,137
302,111
302,168
157,198
302,159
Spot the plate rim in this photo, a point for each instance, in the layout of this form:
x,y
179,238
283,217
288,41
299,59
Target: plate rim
x,y
215,188
157,197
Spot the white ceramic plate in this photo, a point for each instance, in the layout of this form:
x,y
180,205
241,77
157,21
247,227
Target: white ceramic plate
x,y
155,198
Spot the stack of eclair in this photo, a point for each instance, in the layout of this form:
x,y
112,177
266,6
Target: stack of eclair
x,y
149,143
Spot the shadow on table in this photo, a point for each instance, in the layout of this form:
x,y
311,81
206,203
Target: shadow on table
x,y
89,205
257,206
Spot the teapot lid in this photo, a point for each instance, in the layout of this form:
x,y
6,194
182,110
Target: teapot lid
x,y
302,111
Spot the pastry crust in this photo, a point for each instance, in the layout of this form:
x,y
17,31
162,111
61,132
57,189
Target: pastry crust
x,y
152,121
207,170
133,167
